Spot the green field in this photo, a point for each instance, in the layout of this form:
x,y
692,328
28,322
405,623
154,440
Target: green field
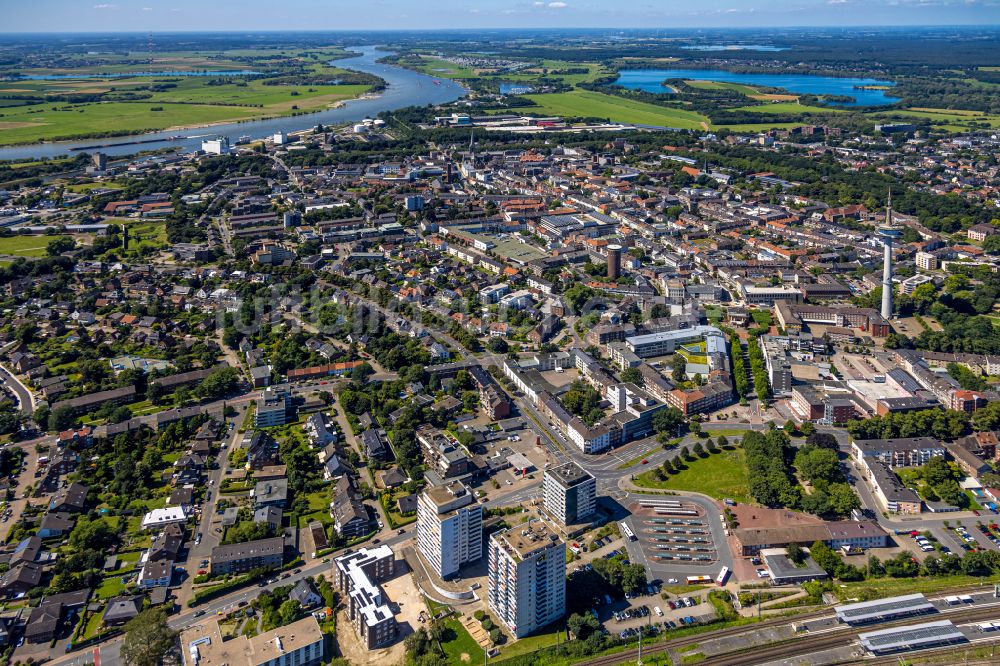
x,y
25,246
543,638
143,234
81,188
722,85
586,104
460,644
953,120
788,108
721,475
176,61
546,68
446,69
191,102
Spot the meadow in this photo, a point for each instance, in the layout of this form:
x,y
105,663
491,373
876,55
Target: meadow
x,y
25,246
191,103
586,104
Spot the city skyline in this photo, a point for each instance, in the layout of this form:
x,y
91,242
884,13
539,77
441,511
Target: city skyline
x,y
187,15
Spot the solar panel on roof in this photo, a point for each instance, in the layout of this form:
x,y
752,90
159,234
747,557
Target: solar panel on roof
x,y
913,636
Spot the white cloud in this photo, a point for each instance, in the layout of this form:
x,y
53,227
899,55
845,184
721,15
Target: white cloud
x,y
105,5
147,9
557,5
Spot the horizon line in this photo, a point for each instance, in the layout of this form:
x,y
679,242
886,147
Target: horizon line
x,y
993,26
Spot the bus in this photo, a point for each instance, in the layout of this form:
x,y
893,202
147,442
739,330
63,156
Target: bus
x,y
627,531
699,580
723,575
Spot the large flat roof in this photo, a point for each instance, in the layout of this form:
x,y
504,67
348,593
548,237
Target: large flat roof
x,y
568,474
866,611
911,637
523,540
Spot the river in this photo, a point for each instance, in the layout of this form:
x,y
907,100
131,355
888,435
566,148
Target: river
x,y
404,88
651,80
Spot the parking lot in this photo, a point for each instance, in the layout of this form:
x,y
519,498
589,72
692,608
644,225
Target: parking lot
x,y
673,531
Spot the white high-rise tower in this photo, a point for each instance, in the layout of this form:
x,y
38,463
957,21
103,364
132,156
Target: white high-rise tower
x,y
887,232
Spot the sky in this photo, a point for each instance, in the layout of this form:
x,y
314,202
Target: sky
x,y
226,15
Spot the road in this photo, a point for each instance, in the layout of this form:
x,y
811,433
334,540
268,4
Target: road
x,y
209,537
25,400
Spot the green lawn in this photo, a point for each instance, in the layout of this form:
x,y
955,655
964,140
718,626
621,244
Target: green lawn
x,y
719,475
728,432
723,85
93,625
586,104
142,234
110,587
461,644
889,587
446,69
761,317
25,246
788,107
88,187
319,509
549,635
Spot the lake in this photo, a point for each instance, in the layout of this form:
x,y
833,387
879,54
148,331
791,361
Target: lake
x,y
651,80
404,88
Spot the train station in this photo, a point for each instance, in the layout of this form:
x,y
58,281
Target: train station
x,y
914,637
883,610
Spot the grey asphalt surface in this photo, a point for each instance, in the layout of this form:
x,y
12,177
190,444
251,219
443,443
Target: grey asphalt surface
x,y
24,399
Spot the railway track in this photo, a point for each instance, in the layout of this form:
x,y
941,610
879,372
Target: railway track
x,y
807,644
633,653
792,647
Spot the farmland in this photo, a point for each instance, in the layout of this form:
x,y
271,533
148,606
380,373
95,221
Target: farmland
x,y
585,104
193,102
92,107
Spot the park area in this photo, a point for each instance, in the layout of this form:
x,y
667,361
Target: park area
x,y
720,475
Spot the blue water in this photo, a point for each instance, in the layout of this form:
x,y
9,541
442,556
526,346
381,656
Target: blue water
x,y
514,89
128,75
651,80
735,47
